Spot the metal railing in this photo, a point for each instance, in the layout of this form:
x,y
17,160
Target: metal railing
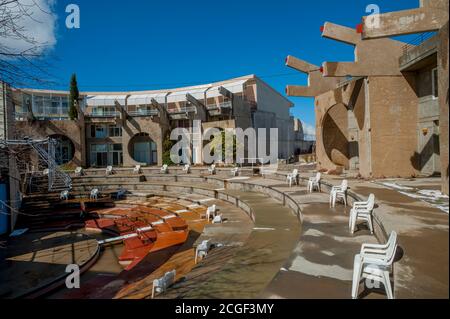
x,y
187,109
421,38
223,105
144,113
103,114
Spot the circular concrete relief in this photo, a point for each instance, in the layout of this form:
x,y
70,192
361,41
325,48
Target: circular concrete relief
x,y
335,135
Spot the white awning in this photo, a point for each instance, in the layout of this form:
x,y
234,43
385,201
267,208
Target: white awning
x,y
180,96
146,99
105,100
233,87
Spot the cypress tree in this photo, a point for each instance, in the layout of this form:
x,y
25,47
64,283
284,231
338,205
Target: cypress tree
x,y
73,98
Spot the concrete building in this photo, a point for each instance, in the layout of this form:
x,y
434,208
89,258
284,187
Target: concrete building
x,y
379,116
426,59
128,128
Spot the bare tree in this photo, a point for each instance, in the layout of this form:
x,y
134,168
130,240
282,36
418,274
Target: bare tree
x,y
21,66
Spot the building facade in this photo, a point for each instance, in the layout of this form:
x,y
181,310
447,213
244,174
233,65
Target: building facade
x,y
129,128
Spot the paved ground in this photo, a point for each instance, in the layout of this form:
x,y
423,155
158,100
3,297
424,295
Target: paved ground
x,y
37,259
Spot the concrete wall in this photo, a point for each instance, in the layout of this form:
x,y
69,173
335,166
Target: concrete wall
x,y
393,118
273,111
443,103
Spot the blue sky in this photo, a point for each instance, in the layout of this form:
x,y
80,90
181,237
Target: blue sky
x,y
137,45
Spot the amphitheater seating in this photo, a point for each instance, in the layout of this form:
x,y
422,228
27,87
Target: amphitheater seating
x,y
109,170
160,285
314,183
374,263
64,195
79,171
362,211
137,169
217,219
292,177
339,192
202,250
211,212
94,194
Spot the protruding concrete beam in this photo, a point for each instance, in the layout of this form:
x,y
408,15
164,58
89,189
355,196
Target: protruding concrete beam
x,y
317,84
430,17
225,92
300,65
378,57
340,33
194,101
342,69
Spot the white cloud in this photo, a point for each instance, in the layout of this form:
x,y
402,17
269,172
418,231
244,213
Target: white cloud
x,y
39,25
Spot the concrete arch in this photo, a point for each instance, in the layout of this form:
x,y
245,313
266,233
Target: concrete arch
x,y
143,149
335,135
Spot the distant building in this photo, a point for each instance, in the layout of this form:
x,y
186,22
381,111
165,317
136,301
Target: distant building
x,y
128,128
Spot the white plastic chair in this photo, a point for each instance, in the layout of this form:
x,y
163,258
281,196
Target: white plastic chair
x,y
211,212
160,285
64,195
374,263
362,211
45,172
217,219
164,169
339,192
314,183
137,169
292,177
94,194
109,170
234,171
212,169
78,171
121,193
202,250
187,168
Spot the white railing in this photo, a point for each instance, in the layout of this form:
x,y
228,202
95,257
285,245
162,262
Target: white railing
x,y
143,113
187,109
103,114
223,105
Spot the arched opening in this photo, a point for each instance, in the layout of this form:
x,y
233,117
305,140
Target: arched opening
x,y
335,135
64,150
143,149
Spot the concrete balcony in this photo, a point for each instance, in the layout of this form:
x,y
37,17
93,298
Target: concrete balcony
x,y
219,109
182,113
108,114
420,52
141,113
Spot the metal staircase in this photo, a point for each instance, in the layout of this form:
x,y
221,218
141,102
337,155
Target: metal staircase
x,y
57,179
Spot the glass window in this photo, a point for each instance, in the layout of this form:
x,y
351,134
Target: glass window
x,y
55,104
435,83
115,131
38,104
100,131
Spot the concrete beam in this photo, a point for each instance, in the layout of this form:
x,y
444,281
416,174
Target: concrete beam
x,y
196,102
225,92
300,65
317,84
340,33
378,57
431,17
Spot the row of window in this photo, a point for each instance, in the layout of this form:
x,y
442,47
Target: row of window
x,y
106,154
104,131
